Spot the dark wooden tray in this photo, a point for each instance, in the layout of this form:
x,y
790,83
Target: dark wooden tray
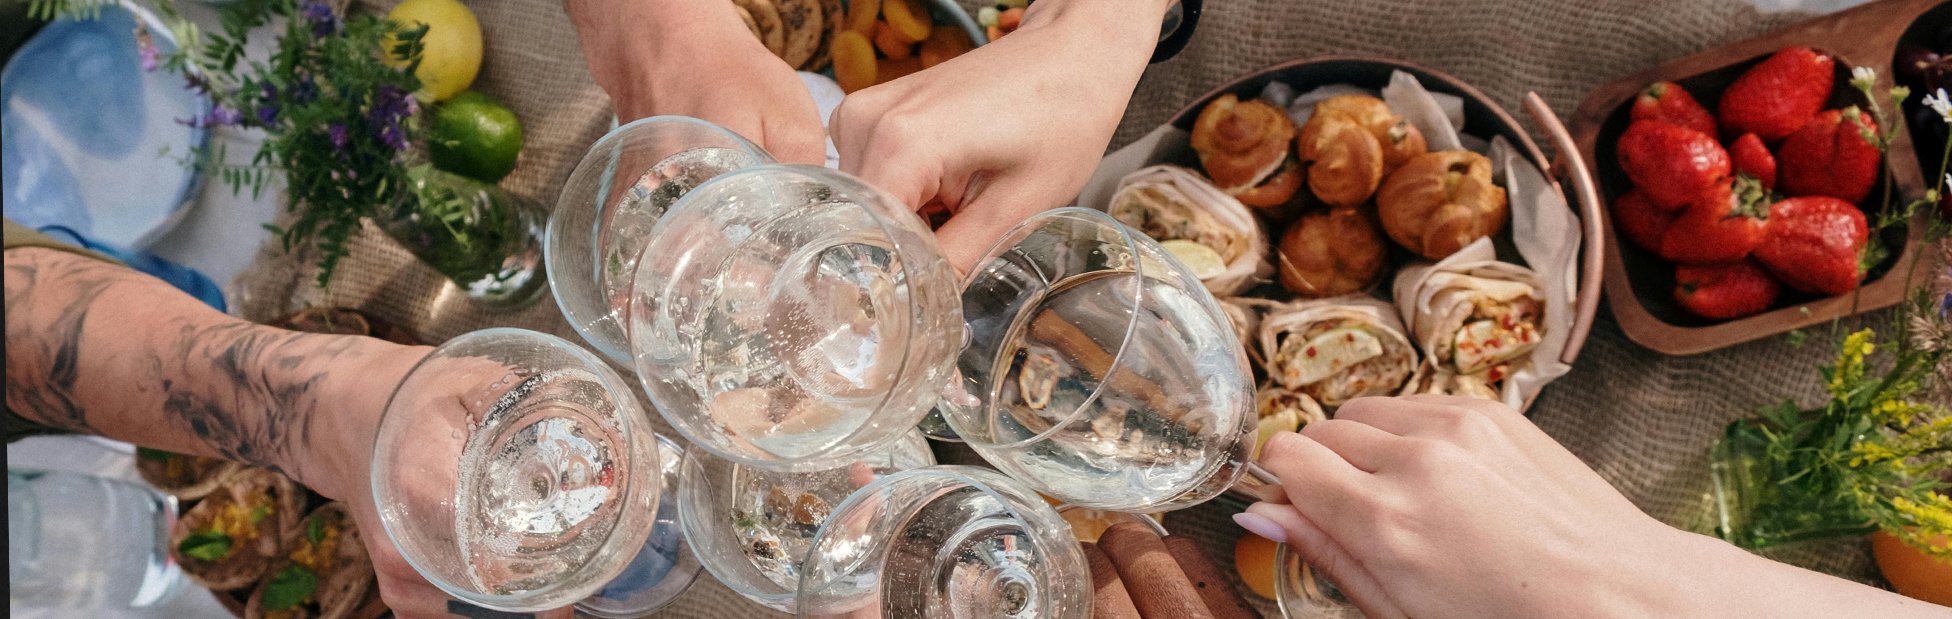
x,y
1639,285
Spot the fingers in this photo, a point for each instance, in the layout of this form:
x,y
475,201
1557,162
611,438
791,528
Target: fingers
x,y
1365,446
796,138
1308,470
1323,554
996,204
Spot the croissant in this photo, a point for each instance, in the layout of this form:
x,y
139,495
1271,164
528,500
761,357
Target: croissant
x,y
1244,144
1345,162
1399,139
1331,253
1439,202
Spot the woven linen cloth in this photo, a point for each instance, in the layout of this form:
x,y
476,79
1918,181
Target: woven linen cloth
x,y
1643,420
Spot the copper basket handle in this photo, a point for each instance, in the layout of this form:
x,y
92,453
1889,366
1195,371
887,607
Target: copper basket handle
x,y
1570,166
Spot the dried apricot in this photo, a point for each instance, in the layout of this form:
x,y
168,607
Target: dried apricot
x,y
944,43
1009,20
891,43
862,15
1254,560
853,61
909,18
893,69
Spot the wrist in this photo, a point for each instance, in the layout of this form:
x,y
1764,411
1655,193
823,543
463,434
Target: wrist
x,y
638,49
355,384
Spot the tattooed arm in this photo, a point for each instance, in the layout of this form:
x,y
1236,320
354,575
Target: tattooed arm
x,y
97,348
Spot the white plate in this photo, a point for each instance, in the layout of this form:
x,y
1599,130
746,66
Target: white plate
x,y
84,129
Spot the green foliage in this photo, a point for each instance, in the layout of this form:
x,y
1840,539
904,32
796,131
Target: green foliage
x,y
326,98
289,588
50,10
315,530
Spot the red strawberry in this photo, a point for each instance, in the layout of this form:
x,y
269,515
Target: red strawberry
x,y
1669,102
1671,163
1724,224
1815,244
1724,291
1640,221
1750,157
1831,156
1775,97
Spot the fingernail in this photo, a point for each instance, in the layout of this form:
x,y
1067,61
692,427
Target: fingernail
x,y
1260,525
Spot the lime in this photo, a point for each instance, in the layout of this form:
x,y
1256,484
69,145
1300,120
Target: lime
x,y
474,136
451,53
1202,260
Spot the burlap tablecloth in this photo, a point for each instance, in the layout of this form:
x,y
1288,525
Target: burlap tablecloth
x,y
1642,419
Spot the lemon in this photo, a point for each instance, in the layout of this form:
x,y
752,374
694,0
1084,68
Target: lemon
x,y
1288,420
1200,259
474,136
451,54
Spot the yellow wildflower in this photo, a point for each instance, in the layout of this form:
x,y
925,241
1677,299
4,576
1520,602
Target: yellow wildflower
x,y
1868,452
1850,361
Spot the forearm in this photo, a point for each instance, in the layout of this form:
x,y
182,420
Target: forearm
x,y
1748,585
101,349
635,47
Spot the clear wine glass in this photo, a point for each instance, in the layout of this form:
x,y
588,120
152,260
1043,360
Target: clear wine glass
x,y
751,527
664,568
946,541
516,471
1303,592
1098,370
628,179
791,317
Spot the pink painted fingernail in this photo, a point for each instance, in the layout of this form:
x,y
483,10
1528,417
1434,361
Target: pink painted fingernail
x,y
1260,525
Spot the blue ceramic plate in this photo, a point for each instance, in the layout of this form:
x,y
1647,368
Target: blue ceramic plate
x,y
84,130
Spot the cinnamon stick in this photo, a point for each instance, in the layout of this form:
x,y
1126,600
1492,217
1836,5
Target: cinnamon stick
x,y
1108,597
1220,596
1157,586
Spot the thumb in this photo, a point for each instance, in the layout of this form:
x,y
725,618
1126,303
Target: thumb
x,y
994,206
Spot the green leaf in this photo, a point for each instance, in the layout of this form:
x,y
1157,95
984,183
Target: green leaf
x,y
258,513
205,546
153,455
289,588
315,530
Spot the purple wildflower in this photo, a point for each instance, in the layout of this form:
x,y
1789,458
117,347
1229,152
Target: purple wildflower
x,y
337,132
146,49
305,91
222,115
392,106
268,107
195,83
324,23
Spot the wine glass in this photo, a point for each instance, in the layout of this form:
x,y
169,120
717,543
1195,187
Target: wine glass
x,y
600,225
751,527
515,471
791,317
1303,592
1098,370
664,568
946,541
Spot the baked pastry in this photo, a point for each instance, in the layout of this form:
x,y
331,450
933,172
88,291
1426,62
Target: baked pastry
x,y
324,574
1170,203
1477,323
230,538
1336,350
185,477
1400,140
1331,253
1276,190
805,25
765,23
1244,148
1282,409
1440,202
1351,143
1244,315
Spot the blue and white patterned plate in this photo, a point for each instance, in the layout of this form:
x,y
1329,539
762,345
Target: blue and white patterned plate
x,y
84,130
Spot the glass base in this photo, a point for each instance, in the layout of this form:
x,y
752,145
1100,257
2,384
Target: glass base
x,y
664,569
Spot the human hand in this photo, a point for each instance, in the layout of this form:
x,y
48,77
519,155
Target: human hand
x,y
1006,130
695,58
1442,506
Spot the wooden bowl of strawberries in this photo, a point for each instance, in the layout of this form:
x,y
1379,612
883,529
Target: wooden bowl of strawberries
x,y
1746,184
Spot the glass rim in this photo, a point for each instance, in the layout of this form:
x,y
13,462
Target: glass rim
x,y
493,601
611,143
912,310
1007,244
955,473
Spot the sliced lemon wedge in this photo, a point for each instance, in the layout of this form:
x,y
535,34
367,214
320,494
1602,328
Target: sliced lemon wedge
x,y
1203,261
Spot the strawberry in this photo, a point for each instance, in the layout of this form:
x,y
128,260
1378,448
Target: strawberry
x,y
1725,291
1749,156
1670,102
1723,224
1815,244
1640,221
1671,163
1832,156
1775,97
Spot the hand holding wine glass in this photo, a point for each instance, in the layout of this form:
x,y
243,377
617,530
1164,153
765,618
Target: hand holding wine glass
x,y
1446,506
